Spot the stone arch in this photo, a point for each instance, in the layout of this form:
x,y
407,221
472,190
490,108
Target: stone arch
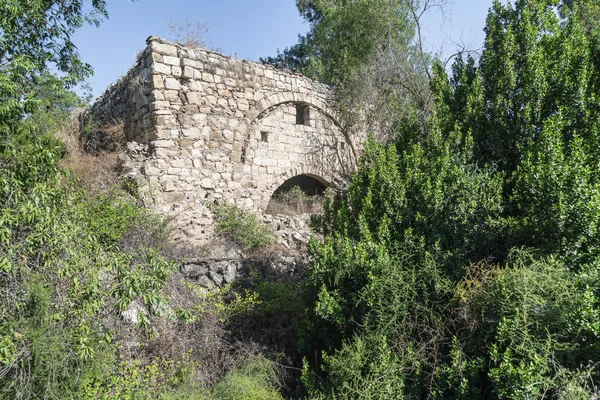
x,y
276,99
271,101
325,177
282,200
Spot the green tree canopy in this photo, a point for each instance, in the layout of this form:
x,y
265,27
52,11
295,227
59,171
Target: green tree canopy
x,y
36,36
343,36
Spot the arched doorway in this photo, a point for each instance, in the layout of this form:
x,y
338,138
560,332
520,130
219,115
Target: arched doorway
x,y
297,195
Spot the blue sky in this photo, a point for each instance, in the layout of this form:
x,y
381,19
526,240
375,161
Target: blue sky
x,y
247,28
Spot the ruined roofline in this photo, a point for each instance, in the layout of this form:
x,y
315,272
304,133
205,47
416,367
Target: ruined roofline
x,y
143,54
207,51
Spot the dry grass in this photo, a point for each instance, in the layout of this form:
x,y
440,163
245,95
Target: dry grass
x,y
93,151
204,342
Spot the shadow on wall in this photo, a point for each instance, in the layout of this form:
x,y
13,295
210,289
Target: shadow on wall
x,y
298,195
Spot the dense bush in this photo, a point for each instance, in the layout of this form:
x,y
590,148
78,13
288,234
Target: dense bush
x,y
63,272
463,260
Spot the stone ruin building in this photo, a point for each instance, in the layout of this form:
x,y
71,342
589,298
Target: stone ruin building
x,y
201,127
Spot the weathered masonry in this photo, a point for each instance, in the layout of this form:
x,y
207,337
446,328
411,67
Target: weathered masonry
x,y
202,127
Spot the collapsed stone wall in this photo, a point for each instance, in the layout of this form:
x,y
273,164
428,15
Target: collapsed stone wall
x,y
205,127
126,103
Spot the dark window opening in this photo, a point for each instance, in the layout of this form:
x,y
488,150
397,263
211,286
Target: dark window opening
x,y
342,146
302,114
298,195
264,136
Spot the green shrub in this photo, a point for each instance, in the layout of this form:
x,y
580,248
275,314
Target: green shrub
x,y
419,254
523,333
241,226
64,273
252,379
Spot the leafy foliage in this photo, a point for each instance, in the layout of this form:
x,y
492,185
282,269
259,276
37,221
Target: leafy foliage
x,y
252,380
36,36
421,287
531,109
61,273
241,226
73,264
342,38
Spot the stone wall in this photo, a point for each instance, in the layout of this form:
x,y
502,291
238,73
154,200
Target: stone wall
x,y
214,273
127,103
215,128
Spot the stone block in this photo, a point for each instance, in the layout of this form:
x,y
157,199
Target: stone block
x,y
164,49
188,62
188,72
192,133
177,164
191,109
216,277
194,271
163,143
159,68
159,105
170,60
230,273
157,81
159,119
173,197
200,119
195,85
169,186
151,171
171,95
157,94
156,57
206,77
172,83
186,143
195,98
176,72
207,183
243,105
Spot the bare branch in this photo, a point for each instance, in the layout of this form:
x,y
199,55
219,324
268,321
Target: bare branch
x,y
189,32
